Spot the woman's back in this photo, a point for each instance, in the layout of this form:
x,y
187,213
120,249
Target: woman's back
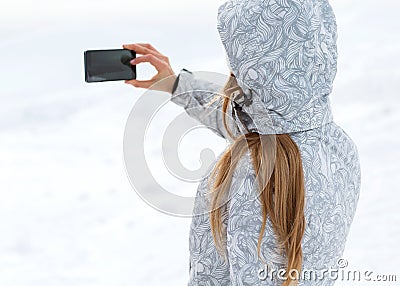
x,y
332,180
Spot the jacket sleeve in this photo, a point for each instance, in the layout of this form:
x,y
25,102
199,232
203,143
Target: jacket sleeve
x,y
200,100
245,113
243,229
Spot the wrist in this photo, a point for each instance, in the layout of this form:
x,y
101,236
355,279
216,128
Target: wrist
x,y
176,81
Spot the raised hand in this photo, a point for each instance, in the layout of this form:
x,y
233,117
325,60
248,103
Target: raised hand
x,y
165,74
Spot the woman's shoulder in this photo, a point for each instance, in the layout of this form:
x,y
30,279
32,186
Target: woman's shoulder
x,y
332,137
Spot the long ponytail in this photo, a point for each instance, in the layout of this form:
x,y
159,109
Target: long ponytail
x,y
281,188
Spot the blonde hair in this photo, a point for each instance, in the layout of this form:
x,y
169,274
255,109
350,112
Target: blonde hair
x,y
280,182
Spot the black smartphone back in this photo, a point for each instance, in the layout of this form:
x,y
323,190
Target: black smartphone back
x,y
109,65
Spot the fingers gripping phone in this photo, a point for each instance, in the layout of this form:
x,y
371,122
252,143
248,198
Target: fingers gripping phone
x,y
109,65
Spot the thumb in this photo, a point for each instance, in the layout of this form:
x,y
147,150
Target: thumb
x,y
139,83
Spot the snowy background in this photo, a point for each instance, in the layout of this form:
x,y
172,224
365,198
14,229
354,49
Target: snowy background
x,y
68,215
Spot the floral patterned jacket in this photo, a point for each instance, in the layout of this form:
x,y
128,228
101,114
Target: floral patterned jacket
x,y
283,54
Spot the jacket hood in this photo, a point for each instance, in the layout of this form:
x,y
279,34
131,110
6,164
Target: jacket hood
x,y
283,54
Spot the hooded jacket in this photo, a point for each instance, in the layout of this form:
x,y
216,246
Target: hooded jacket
x,y
283,54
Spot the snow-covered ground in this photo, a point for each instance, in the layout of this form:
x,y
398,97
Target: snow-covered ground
x,y
68,215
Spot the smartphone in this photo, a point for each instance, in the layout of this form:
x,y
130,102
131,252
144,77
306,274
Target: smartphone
x,y
109,65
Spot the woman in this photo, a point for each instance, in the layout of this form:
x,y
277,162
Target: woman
x,y
277,207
